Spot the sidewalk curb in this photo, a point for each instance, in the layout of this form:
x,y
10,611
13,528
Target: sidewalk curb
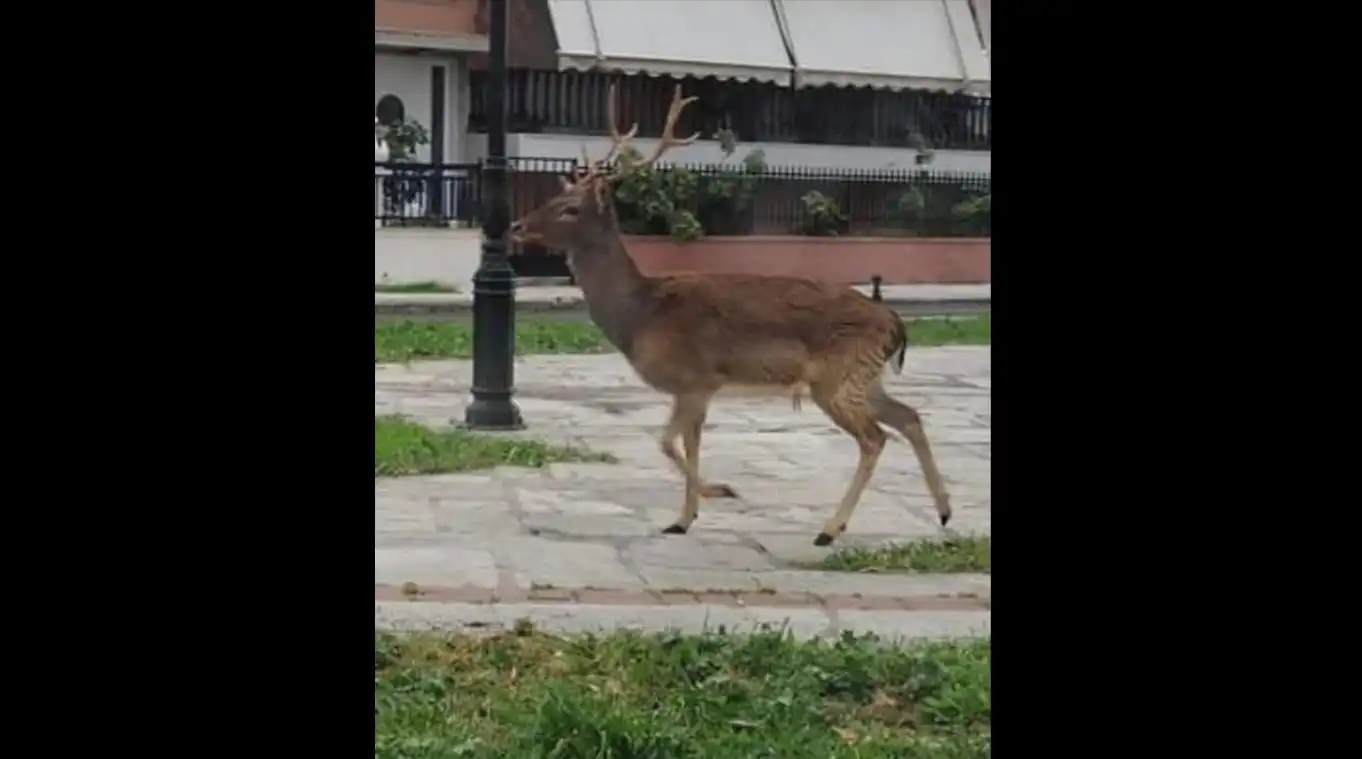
x,y
971,300
561,618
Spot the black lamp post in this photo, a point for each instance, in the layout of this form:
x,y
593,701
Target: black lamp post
x,y
494,282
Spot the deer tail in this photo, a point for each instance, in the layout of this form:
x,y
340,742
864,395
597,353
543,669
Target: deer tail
x,y
899,346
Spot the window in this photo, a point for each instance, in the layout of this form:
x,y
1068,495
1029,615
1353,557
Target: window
x,y
390,110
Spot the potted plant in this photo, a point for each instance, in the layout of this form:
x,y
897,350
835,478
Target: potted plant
x,y
822,217
725,200
973,216
657,201
404,137
909,213
686,204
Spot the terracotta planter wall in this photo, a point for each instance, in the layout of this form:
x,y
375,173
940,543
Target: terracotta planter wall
x,y
851,259
900,260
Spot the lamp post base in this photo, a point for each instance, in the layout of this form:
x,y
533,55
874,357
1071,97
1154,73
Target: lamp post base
x,y
493,338
493,415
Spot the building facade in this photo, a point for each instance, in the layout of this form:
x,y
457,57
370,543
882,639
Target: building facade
x,y
832,84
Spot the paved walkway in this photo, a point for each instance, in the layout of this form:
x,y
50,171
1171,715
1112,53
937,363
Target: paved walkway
x,y
577,546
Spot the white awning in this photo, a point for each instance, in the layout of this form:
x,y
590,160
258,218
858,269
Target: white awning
x,y
728,39
895,44
983,15
398,39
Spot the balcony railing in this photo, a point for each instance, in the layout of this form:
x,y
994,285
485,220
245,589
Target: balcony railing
x,y
421,194
572,102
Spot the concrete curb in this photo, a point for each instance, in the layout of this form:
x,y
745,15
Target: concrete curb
x,y
672,586
582,618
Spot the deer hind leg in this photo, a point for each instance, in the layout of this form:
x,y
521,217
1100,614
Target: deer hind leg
x,y
688,418
849,409
905,419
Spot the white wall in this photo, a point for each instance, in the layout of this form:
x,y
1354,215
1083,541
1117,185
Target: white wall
x,y
447,256
407,76
707,151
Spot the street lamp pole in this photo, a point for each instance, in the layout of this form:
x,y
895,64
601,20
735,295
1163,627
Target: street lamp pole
x,y
494,282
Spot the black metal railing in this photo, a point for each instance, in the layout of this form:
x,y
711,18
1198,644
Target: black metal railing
x,y
722,199
727,200
573,102
422,194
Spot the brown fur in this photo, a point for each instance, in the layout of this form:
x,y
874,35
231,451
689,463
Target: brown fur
x,y
691,336
700,333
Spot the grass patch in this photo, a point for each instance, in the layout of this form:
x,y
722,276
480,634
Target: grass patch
x,y
963,554
403,447
413,287
413,341
950,330
628,695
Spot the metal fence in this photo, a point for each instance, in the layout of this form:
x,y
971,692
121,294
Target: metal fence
x,y
794,200
776,200
424,194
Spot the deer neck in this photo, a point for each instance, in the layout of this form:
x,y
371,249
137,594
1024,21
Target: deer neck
x,y
616,292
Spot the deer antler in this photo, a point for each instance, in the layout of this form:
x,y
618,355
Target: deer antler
x,y
668,141
619,140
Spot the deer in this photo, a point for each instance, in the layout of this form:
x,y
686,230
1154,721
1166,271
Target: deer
x,y
691,336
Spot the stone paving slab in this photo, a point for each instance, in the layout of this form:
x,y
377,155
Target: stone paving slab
x,y
581,618
596,525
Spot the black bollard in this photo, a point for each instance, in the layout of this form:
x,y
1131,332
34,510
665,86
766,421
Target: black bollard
x,y
875,282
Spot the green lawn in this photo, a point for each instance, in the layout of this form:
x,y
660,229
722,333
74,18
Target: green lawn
x,y
962,554
402,448
632,696
950,330
414,341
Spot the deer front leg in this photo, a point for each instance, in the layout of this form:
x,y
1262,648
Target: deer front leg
x,y
688,418
695,487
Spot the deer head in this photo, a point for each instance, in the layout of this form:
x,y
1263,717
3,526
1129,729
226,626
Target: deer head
x,y
582,214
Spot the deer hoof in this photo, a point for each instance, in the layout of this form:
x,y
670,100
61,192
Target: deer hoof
x,y
823,539
945,518
716,490
675,529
